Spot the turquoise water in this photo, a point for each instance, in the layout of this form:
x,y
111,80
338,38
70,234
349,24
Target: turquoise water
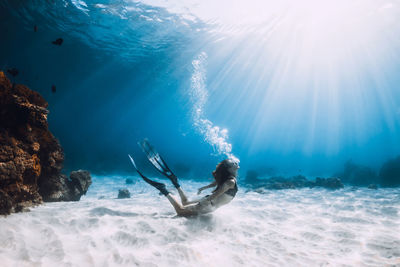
x,y
288,87
292,86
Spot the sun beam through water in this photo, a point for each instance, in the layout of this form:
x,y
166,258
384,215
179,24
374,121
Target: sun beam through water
x,y
309,77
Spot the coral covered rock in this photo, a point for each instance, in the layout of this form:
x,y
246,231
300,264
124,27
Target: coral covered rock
x,y
299,181
329,183
31,158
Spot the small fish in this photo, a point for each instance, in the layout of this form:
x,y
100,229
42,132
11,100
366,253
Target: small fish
x,y
53,88
59,41
35,28
14,72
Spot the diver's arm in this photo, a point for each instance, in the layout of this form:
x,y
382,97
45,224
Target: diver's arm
x,y
213,184
225,187
187,202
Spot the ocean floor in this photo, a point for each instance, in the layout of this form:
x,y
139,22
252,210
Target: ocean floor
x,y
307,227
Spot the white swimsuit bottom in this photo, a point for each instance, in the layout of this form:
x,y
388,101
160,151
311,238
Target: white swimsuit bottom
x,y
206,205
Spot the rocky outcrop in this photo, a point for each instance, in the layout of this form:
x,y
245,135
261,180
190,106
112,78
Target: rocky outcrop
x,y
358,175
31,158
299,181
66,189
124,193
373,186
251,177
329,183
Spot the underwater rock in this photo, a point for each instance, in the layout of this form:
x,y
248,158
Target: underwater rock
x,y
251,177
129,181
329,183
299,181
357,175
389,173
64,189
31,158
25,145
124,193
6,203
80,182
372,186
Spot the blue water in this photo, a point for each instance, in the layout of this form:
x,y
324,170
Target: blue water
x,y
288,87
291,87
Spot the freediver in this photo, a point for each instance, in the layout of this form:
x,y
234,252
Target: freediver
x,y
225,183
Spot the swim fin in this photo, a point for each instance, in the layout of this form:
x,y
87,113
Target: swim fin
x,y
157,161
159,186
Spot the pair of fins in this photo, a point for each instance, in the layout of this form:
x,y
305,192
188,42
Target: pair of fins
x,y
157,161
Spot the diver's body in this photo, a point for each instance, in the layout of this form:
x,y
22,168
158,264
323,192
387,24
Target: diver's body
x,y
225,182
220,196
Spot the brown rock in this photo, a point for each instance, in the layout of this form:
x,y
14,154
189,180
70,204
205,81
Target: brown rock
x,y
31,158
65,189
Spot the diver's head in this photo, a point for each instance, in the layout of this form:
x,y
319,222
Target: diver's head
x,y
231,165
226,169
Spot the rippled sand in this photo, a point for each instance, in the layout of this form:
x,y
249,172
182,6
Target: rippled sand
x,y
308,227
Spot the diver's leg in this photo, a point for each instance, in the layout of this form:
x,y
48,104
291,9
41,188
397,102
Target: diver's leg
x,y
184,199
181,210
182,195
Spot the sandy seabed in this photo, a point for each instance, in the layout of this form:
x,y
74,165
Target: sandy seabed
x,y
307,227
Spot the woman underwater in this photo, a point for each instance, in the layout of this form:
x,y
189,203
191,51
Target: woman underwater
x,y
225,176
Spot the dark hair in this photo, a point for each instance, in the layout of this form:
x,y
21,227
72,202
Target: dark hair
x,y
224,172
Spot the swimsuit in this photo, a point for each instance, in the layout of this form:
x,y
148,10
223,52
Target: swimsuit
x,y
207,205
232,192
